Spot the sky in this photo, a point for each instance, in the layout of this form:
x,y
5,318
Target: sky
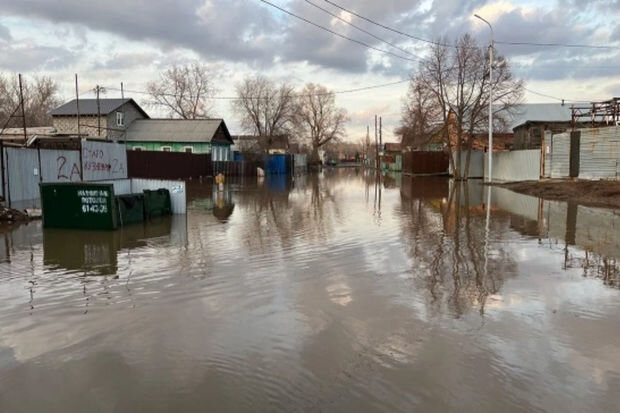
x,y
133,41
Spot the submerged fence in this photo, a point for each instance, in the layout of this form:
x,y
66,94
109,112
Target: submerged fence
x,y
168,165
425,162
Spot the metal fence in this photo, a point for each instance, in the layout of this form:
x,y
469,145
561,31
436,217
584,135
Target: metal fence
x,y
599,153
24,168
168,165
476,164
424,162
515,165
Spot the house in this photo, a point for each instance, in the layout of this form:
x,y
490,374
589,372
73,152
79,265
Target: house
x,y
181,135
258,145
106,118
530,121
392,157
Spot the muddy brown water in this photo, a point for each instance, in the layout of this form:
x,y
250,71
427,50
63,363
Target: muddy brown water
x,y
329,293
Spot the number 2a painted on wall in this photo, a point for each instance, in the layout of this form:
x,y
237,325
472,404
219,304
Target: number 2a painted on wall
x,y
63,169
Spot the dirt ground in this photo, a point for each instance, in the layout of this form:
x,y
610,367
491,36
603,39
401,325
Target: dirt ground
x,y
604,194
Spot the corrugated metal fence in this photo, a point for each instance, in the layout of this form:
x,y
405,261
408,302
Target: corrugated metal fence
x,y
25,168
515,165
476,167
599,153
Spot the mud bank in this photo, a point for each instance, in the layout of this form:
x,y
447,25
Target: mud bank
x,y
605,194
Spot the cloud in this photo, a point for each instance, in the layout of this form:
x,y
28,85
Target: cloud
x,y
5,33
22,57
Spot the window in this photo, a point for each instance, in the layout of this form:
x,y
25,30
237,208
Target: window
x,y
120,119
166,148
189,149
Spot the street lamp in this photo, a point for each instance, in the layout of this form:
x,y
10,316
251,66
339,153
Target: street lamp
x,y
490,176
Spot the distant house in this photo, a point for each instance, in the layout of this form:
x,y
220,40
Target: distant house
x,y
109,119
278,144
392,157
181,135
530,121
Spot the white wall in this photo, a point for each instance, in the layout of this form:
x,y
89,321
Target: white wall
x,y
515,165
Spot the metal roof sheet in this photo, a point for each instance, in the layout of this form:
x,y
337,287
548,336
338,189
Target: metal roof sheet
x,y
89,107
174,130
538,112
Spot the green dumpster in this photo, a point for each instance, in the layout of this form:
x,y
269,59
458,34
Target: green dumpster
x,y
130,208
78,205
157,203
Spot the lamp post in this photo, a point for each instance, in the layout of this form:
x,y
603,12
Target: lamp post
x,y
490,175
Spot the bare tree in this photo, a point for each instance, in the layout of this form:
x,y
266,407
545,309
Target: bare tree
x,y
264,108
185,91
420,120
317,118
40,97
457,81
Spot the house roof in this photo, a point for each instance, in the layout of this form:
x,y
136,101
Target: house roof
x,y
538,112
88,107
392,147
177,130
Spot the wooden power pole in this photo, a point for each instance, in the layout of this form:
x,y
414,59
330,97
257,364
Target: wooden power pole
x,y
21,103
97,90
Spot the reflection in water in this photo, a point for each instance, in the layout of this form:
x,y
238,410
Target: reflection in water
x,y
338,291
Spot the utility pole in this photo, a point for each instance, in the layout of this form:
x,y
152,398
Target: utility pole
x,y
122,92
491,47
97,91
367,144
77,104
380,132
21,100
376,145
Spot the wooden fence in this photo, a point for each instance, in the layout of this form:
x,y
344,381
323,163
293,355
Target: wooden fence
x,y
425,162
168,165
236,168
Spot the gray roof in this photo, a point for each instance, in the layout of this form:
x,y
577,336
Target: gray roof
x,y
175,130
538,112
89,107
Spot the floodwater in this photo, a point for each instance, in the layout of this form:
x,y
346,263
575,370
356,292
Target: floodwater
x,y
329,293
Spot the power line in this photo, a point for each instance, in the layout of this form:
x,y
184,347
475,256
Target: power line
x,y
353,13
336,33
568,45
362,30
553,97
337,92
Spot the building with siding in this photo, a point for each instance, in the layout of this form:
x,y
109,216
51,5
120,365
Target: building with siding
x,y
181,135
109,119
529,122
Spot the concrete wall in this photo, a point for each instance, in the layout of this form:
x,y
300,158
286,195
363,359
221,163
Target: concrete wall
x,y
515,165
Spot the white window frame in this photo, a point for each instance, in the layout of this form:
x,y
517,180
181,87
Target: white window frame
x,y
191,149
120,119
163,148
